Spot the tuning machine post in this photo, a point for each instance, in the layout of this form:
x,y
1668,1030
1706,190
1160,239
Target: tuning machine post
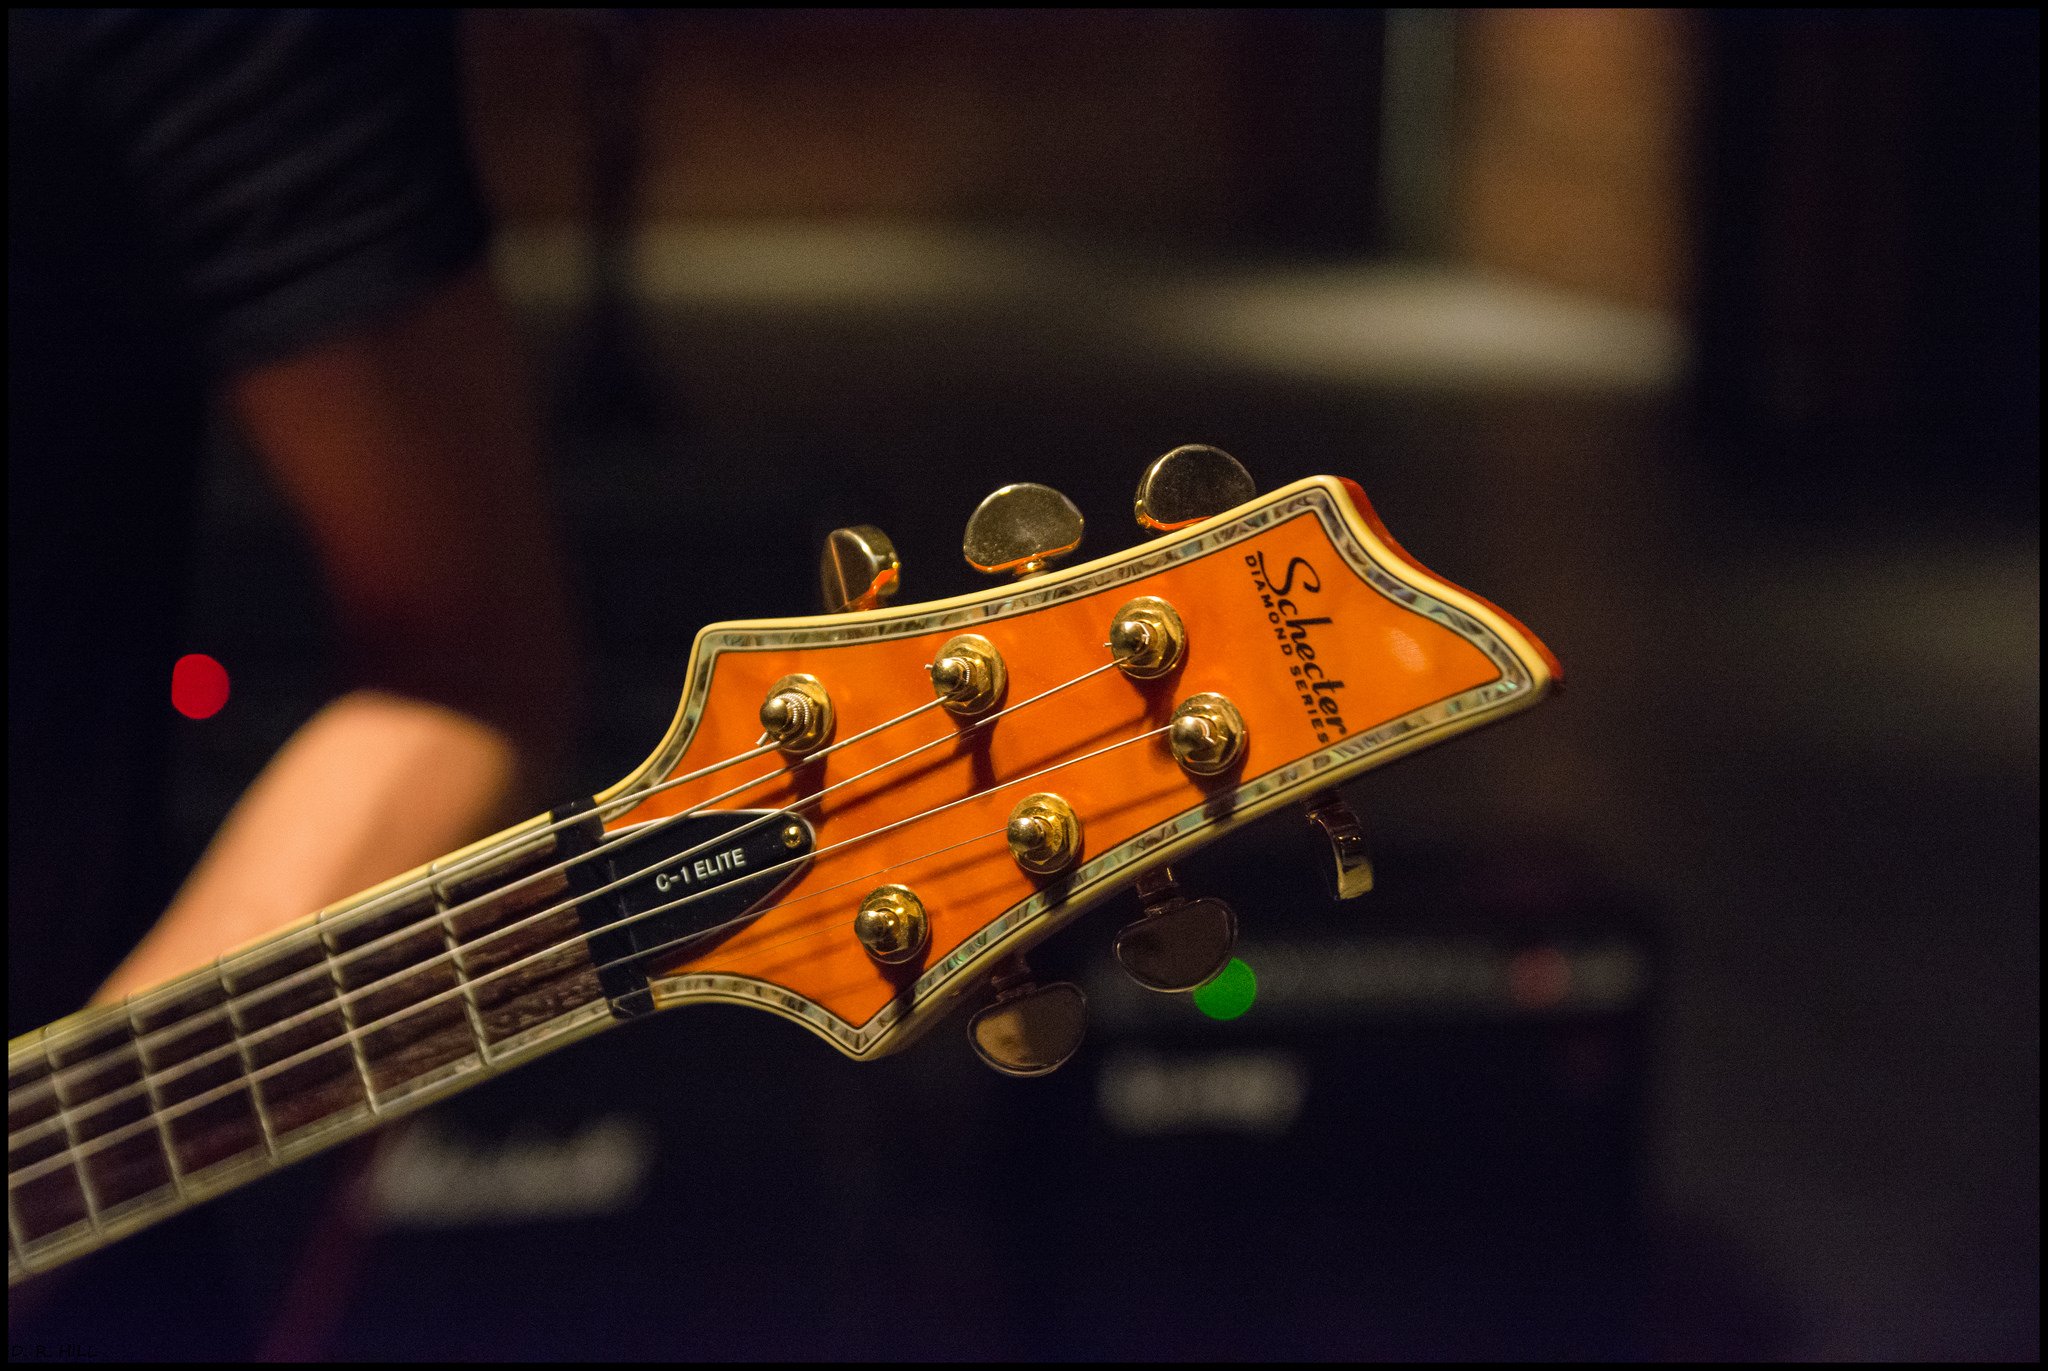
x,y
892,924
798,714
1207,735
969,675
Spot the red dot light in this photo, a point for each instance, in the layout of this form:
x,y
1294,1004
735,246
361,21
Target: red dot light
x,y
199,686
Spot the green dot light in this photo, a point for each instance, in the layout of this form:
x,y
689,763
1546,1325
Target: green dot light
x,y
1229,993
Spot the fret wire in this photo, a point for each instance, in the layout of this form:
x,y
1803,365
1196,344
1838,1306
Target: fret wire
x,y
636,832
17,1236
503,850
618,804
71,1154
585,937
314,972
348,1019
163,1123
17,1230
248,1063
77,1148
470,1012
36,1255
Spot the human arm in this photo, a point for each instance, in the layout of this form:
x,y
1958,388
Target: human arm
x,y
410,453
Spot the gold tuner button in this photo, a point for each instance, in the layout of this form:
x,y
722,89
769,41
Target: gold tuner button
x,y
892,925
1207,735
858,570
1021,529
1190,484
797,715
1044,834
1030,1029
1180,944
1349,872
969,676
1147,638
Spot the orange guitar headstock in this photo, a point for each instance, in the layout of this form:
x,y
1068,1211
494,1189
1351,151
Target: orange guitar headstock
x,y
857,821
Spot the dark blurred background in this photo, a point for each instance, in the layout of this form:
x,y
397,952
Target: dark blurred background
x,y
1696,1014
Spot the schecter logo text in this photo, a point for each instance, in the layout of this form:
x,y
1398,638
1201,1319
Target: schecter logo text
x,y
1320,695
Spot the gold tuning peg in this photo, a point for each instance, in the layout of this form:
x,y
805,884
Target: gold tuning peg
x,y
858,570
1190,484
1180,943
1349,874
1022,529
1030,1029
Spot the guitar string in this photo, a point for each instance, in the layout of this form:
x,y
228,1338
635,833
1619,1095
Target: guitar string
x,y
70,1156
674,943
757,952
281,942
152,1078
319,970
249,999
101,1141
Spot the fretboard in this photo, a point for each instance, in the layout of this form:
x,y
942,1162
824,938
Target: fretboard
x,y
127,1113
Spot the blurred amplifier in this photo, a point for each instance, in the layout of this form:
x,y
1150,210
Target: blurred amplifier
x,y
1405,1125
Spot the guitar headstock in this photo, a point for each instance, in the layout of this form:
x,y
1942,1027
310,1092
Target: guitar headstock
x,y
882,808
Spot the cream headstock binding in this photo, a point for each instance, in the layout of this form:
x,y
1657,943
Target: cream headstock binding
x,y
855,822
1105,718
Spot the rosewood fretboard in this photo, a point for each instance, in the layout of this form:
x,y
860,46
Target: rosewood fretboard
x,y
127,1113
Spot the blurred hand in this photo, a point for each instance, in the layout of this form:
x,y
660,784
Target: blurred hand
x,y
409,451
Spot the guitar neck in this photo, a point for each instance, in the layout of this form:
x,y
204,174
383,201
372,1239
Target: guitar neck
x,y
127,1113
1242,662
